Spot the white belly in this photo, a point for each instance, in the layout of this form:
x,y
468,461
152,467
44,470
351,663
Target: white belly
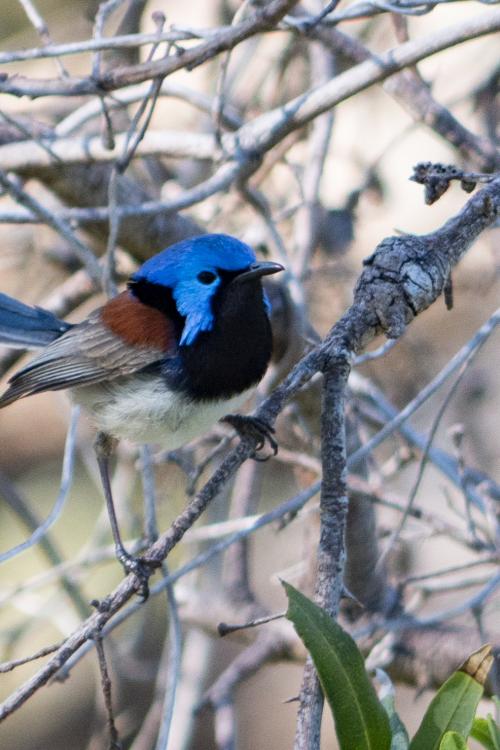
x,y
142,410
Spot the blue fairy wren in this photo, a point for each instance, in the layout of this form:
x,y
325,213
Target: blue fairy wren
x,y
161,362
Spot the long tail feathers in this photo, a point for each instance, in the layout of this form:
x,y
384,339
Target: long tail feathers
x,y
27,327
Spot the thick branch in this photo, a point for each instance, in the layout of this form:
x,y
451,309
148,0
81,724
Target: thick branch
x,y
31,159
410,90
270,128
406,274
331,550
264,19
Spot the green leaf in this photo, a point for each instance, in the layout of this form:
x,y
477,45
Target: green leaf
x,y
487,732
494,731
360,721
480,731
453,707
452,741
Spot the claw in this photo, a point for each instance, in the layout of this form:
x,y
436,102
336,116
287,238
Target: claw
x,y
139,567
255,428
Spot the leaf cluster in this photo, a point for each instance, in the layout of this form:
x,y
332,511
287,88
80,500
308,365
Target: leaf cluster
x,y
367,721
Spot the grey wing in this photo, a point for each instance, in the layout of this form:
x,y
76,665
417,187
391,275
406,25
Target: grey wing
x,y
87,353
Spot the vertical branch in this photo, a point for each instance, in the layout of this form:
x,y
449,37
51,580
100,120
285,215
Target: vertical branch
x,y
134,136
221,84
306,223
114,740
333,499
19,505
331,550
42,29
168,678
244,501
307,734
67,475
106,8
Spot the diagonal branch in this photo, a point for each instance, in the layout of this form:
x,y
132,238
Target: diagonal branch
x,y
270,128
408,88
265,18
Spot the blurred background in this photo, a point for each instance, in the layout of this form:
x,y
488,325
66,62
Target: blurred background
x,y
364,194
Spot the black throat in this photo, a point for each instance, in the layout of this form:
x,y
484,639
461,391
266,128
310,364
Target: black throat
x,y
226,360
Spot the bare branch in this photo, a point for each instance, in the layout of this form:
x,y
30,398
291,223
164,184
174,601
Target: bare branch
x,y
270,128
264,19
65,486
83,252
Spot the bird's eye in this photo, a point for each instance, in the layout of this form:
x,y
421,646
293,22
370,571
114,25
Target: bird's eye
x,y
206,277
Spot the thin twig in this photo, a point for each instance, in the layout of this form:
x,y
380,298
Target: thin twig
x,y
423,461
425,393
8,666
219,102
83,253
306,224
105,9
114,740
103,43
31,137
368,9
263,19
42,29
19,505
64,488
132,94
173,645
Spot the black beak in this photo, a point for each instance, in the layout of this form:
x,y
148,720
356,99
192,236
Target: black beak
x,y
256,270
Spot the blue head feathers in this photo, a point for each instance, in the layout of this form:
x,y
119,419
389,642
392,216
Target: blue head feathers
x,y
190,269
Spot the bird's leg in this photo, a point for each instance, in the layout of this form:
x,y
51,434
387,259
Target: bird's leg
x,y
253,427
104,445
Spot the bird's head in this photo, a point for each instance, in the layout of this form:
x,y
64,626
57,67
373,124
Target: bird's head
x,y
195,272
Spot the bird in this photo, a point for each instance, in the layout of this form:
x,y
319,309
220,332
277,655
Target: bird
x,y
182,347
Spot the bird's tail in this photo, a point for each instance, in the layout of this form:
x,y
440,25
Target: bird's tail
x,y
26,327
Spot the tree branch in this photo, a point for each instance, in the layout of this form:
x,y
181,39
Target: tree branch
x,y
264,19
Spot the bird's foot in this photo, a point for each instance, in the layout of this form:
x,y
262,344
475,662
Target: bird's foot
x,y
255,428
142,569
